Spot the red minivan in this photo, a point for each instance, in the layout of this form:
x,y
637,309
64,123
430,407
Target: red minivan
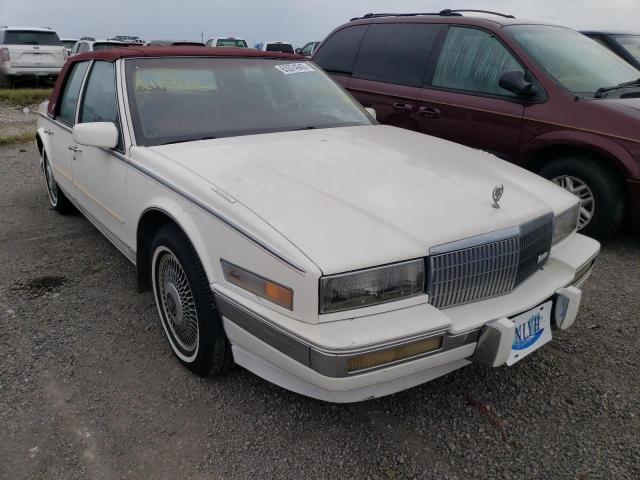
x,y
542,96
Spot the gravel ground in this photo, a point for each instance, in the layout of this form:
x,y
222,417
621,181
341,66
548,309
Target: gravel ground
x,y
89,387
15,120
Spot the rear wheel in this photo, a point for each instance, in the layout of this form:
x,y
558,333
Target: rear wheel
x,y
602,197
57,199
186,306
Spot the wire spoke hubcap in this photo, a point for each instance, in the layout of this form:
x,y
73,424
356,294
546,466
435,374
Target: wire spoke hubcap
x,y
583,192
51,183
178,304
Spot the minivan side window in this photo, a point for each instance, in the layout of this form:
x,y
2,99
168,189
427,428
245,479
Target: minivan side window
x,y
396,53
338,53
70,93
473,60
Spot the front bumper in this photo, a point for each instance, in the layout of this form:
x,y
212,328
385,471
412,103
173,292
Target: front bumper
x,y
314,359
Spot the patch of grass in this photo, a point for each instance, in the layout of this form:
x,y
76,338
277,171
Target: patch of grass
x,y
24,96
23,137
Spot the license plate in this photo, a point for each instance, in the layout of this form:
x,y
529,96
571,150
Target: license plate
x,y
533,329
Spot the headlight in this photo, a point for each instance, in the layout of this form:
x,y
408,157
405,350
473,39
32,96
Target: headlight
x,y
372,286
265,288
565,224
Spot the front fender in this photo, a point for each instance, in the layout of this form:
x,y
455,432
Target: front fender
x,y
621,158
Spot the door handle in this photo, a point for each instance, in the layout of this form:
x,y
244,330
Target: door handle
x,y
48,131
402,107
74,148
429,112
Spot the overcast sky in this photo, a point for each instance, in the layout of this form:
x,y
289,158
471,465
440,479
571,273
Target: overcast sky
x,y
297,21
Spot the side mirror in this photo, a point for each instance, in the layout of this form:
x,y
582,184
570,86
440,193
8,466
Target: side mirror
x,y
372,112
514,81
96,134
298,51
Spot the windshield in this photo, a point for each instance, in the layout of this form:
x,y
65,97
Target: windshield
x,y
576,62
279,47
231,42
182,99
631,43
26,37
107,45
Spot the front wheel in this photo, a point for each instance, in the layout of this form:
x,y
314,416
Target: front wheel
x,y
186,306
601,195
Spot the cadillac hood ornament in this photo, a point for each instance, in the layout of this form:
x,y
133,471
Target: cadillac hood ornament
x,y
498,190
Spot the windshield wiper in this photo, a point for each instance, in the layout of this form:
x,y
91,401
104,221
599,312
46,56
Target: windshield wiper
x,y
187,140
632,83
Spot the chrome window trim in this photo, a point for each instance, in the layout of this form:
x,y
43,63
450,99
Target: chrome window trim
x,y
327,361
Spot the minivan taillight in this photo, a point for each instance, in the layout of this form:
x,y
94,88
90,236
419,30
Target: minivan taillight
x,y
4,55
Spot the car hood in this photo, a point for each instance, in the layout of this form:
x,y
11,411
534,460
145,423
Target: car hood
x,y
355,197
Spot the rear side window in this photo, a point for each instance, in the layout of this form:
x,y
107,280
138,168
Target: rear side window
x,y
28,37
338,53
396,53
473,60
70,93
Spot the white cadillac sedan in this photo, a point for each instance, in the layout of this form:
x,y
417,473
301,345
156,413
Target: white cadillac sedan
x,y
282,228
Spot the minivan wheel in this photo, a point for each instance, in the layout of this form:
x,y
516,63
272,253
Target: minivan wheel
x,y
602,200
57,199
186,306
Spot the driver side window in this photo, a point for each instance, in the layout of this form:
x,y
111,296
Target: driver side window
x,y
472,60
100,101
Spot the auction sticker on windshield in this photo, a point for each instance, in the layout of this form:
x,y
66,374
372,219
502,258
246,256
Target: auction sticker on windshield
x,y
533,329
290,68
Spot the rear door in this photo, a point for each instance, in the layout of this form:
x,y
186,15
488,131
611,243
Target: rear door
x,y
462,100
34,48
337,54
59,130
99,176
390,68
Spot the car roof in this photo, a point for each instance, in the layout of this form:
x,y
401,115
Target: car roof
x,y
155,52
30,29
486,21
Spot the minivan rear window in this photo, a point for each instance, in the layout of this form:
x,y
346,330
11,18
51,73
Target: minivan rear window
x,y
30,37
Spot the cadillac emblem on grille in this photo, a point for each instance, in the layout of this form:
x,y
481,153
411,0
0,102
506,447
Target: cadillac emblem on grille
x,y
498,190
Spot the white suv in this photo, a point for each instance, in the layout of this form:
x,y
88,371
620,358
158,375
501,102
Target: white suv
x,y
27,51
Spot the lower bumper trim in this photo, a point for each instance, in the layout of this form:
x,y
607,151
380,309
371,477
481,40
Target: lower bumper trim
x,y
331,363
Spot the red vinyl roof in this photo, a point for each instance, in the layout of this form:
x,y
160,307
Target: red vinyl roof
x,y
172,51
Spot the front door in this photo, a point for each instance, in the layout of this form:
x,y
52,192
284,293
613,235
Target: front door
x,y
59,132
99,174
463,101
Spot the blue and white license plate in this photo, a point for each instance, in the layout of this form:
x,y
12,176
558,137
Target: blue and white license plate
x,y
533,329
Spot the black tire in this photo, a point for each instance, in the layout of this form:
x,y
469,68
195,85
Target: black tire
x,y
609,200
57,199
186,305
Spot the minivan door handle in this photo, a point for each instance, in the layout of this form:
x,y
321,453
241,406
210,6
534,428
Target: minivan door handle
x,y
402,107
429,112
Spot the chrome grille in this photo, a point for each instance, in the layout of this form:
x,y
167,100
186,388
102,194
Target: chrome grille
x,y
486,268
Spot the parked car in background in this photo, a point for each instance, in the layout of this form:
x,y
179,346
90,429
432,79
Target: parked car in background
x,y
623,44
69,43
173,43
284,47
131,39
308,49
29,52
226,42
83,46
544,97
281,227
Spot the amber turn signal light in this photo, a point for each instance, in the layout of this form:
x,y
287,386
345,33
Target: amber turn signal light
x,y
403,352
